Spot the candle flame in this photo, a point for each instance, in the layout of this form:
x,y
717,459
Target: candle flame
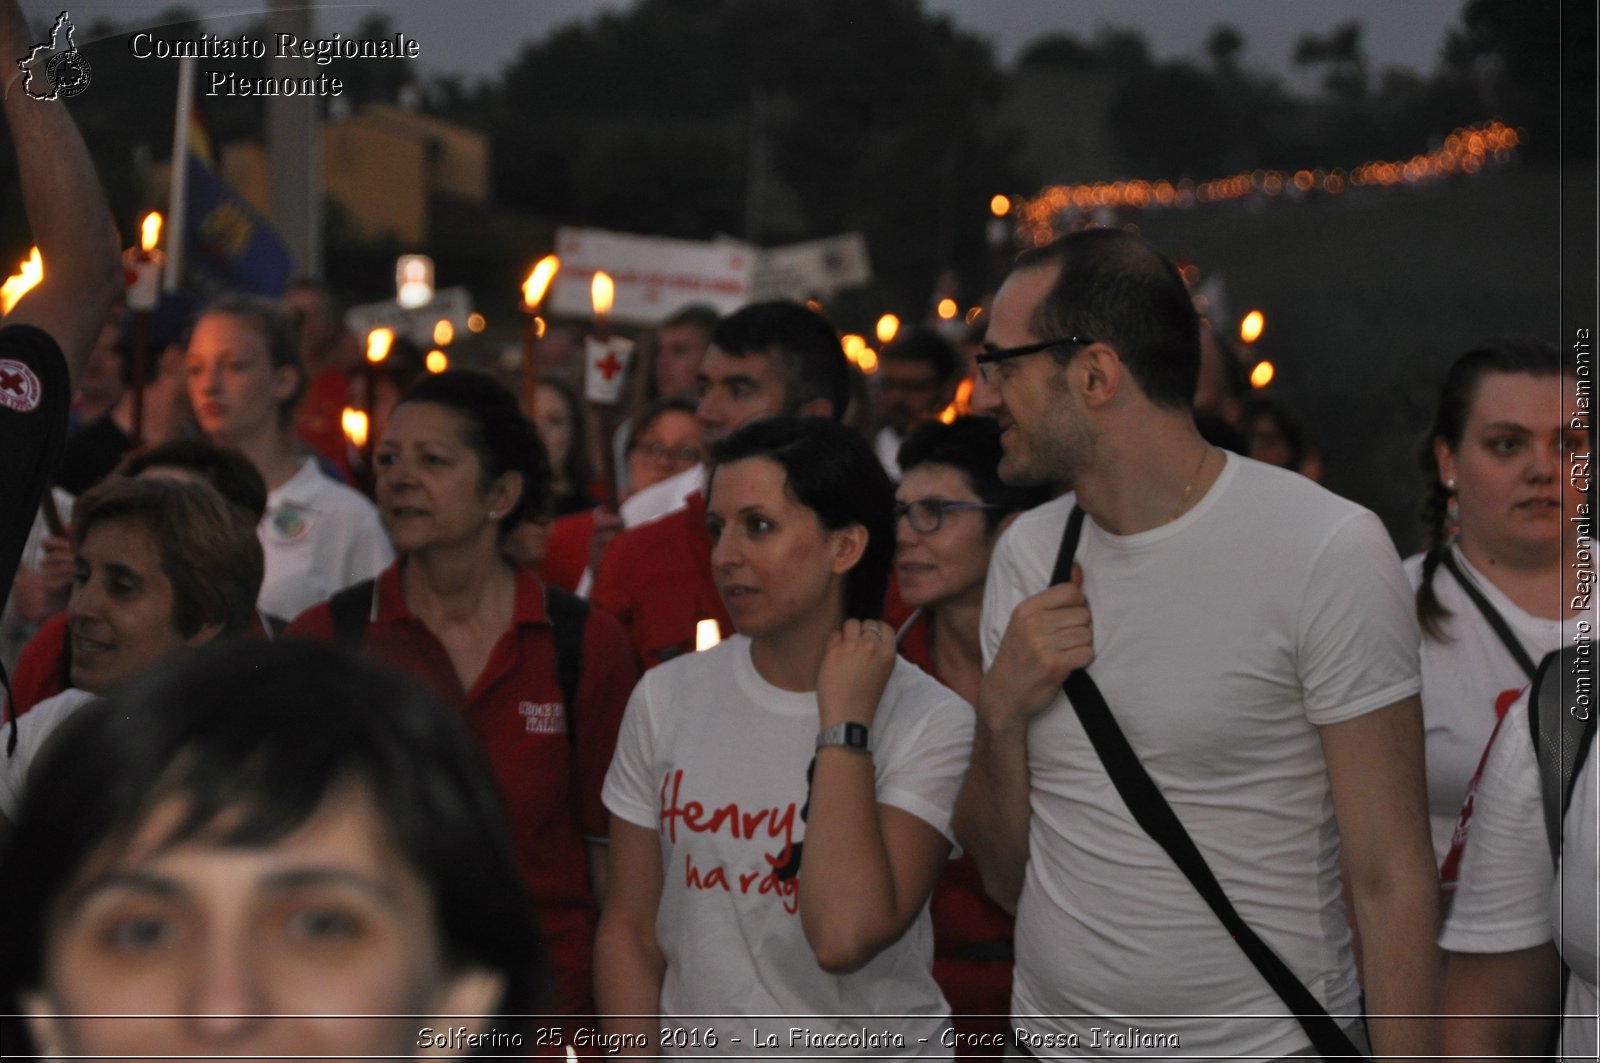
x,y
354,423
1262,374
31,273
707,633
437,361
379,340
1250,328
947,309
476,323
602,293
150,232
888,328
538,282
853,345
443,332
868,361
961,406
1000,206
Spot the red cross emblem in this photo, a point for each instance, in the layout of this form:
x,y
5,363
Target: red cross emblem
x,y
609,366
19,388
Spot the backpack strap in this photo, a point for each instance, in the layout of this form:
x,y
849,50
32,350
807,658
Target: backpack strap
x,y
1151,811
569,616
1563,730
351,610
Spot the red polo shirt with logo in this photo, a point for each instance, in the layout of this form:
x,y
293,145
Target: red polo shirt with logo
x,y
551,784
656,579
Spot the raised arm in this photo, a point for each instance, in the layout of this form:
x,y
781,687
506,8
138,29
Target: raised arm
x,y
67,210
867,868
1048,637
1375,769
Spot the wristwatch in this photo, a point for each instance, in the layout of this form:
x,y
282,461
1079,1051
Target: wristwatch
x,y
851,735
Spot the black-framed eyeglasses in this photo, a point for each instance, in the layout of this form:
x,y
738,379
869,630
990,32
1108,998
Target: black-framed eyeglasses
x,y
661,452
927,514
999,354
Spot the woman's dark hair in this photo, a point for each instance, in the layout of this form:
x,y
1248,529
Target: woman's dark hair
x,y
832,472
577,471
504,440
972,446
279,328
208,547
252,737
234,476
651,412
1521,354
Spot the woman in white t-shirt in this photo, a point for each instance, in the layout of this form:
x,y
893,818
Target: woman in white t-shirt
x,y
763,907
245,379
1500,542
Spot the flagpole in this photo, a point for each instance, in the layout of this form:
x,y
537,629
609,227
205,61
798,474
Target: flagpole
x,y
178,190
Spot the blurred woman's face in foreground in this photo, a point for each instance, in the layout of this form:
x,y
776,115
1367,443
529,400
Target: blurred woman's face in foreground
x,y
215,942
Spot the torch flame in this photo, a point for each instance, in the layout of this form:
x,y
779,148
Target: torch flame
x,y
354,423
32,272
1000,206
150,232
1250,328
602,293
1262,374
538,281
443,332
378,342
888,328
437,361
947,309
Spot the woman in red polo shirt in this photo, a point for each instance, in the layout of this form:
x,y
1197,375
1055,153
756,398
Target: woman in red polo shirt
x,y
458,469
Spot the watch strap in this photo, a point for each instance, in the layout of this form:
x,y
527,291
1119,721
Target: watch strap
x,y
850,735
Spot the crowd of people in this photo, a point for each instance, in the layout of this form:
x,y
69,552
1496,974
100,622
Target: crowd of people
x,y
1074,718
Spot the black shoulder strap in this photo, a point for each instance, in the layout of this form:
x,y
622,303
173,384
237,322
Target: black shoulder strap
x,y
1490,613
352,611
1563,727
1152,812
568,616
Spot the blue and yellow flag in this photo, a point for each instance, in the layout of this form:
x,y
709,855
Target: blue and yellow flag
x,y
228,245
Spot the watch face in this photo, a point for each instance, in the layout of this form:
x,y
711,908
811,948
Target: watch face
x,y
855,735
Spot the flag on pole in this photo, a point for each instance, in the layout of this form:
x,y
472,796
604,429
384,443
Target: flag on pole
x,y
228,245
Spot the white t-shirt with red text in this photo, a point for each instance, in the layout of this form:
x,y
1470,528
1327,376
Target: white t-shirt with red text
x,y
714,758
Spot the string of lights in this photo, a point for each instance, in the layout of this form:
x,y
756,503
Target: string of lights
x,y
1467,150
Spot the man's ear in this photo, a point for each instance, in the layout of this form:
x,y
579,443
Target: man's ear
x,y
285,379
1100,373
849,544
44,1026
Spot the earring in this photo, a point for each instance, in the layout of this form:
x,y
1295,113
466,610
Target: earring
x,y
1450,485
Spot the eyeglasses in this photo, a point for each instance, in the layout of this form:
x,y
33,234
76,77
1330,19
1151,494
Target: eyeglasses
x,y
662,452
927,514
987,358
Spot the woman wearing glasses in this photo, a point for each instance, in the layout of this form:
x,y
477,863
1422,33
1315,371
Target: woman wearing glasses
x,y
781,803
952,506
665,440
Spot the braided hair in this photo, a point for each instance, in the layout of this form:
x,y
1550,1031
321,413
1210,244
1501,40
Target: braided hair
x,y
1522,354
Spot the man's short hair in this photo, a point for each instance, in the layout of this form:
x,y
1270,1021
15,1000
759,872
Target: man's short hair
x,y
1116,288
928,347
698,314
804,344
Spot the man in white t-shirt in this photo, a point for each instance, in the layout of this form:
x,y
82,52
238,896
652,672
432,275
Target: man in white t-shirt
x,y
1253,637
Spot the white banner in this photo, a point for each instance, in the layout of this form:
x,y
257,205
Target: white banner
x,y
655,277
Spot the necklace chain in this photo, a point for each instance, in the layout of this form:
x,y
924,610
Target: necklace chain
x,y
1188,488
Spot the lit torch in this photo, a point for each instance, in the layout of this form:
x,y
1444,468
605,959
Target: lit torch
x,y
142,266
31,273
379,340
533,293
606,360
